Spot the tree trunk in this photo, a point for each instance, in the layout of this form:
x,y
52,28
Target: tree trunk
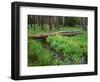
x,y
42,18
83,23
63,20
50,23
33,20
29,21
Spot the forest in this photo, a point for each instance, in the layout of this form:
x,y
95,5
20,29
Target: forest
x,y
57,40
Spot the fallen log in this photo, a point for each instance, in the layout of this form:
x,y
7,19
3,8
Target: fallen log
x,y
63,33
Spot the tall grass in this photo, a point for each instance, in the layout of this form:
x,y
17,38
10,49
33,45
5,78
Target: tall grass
x,y
37,55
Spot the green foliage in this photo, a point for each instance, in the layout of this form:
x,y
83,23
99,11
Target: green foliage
x,y
56,42
72,47
72,21
57,62
37,55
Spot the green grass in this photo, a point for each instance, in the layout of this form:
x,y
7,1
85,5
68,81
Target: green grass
x,y
37,55
62,50
38,29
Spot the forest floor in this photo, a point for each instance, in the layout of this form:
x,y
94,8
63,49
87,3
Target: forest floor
x,y
38,30
57,50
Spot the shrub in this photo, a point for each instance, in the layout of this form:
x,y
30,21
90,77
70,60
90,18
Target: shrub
x,y
72,47
37,55
57,62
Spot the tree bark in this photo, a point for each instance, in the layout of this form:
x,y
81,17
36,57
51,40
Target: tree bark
x,y
50,23
83,23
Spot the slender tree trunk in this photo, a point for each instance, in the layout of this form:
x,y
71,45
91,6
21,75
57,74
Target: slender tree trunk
x,y
57,23
30,21
39,20
42,17
83,23
63,20
50,24
33,20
